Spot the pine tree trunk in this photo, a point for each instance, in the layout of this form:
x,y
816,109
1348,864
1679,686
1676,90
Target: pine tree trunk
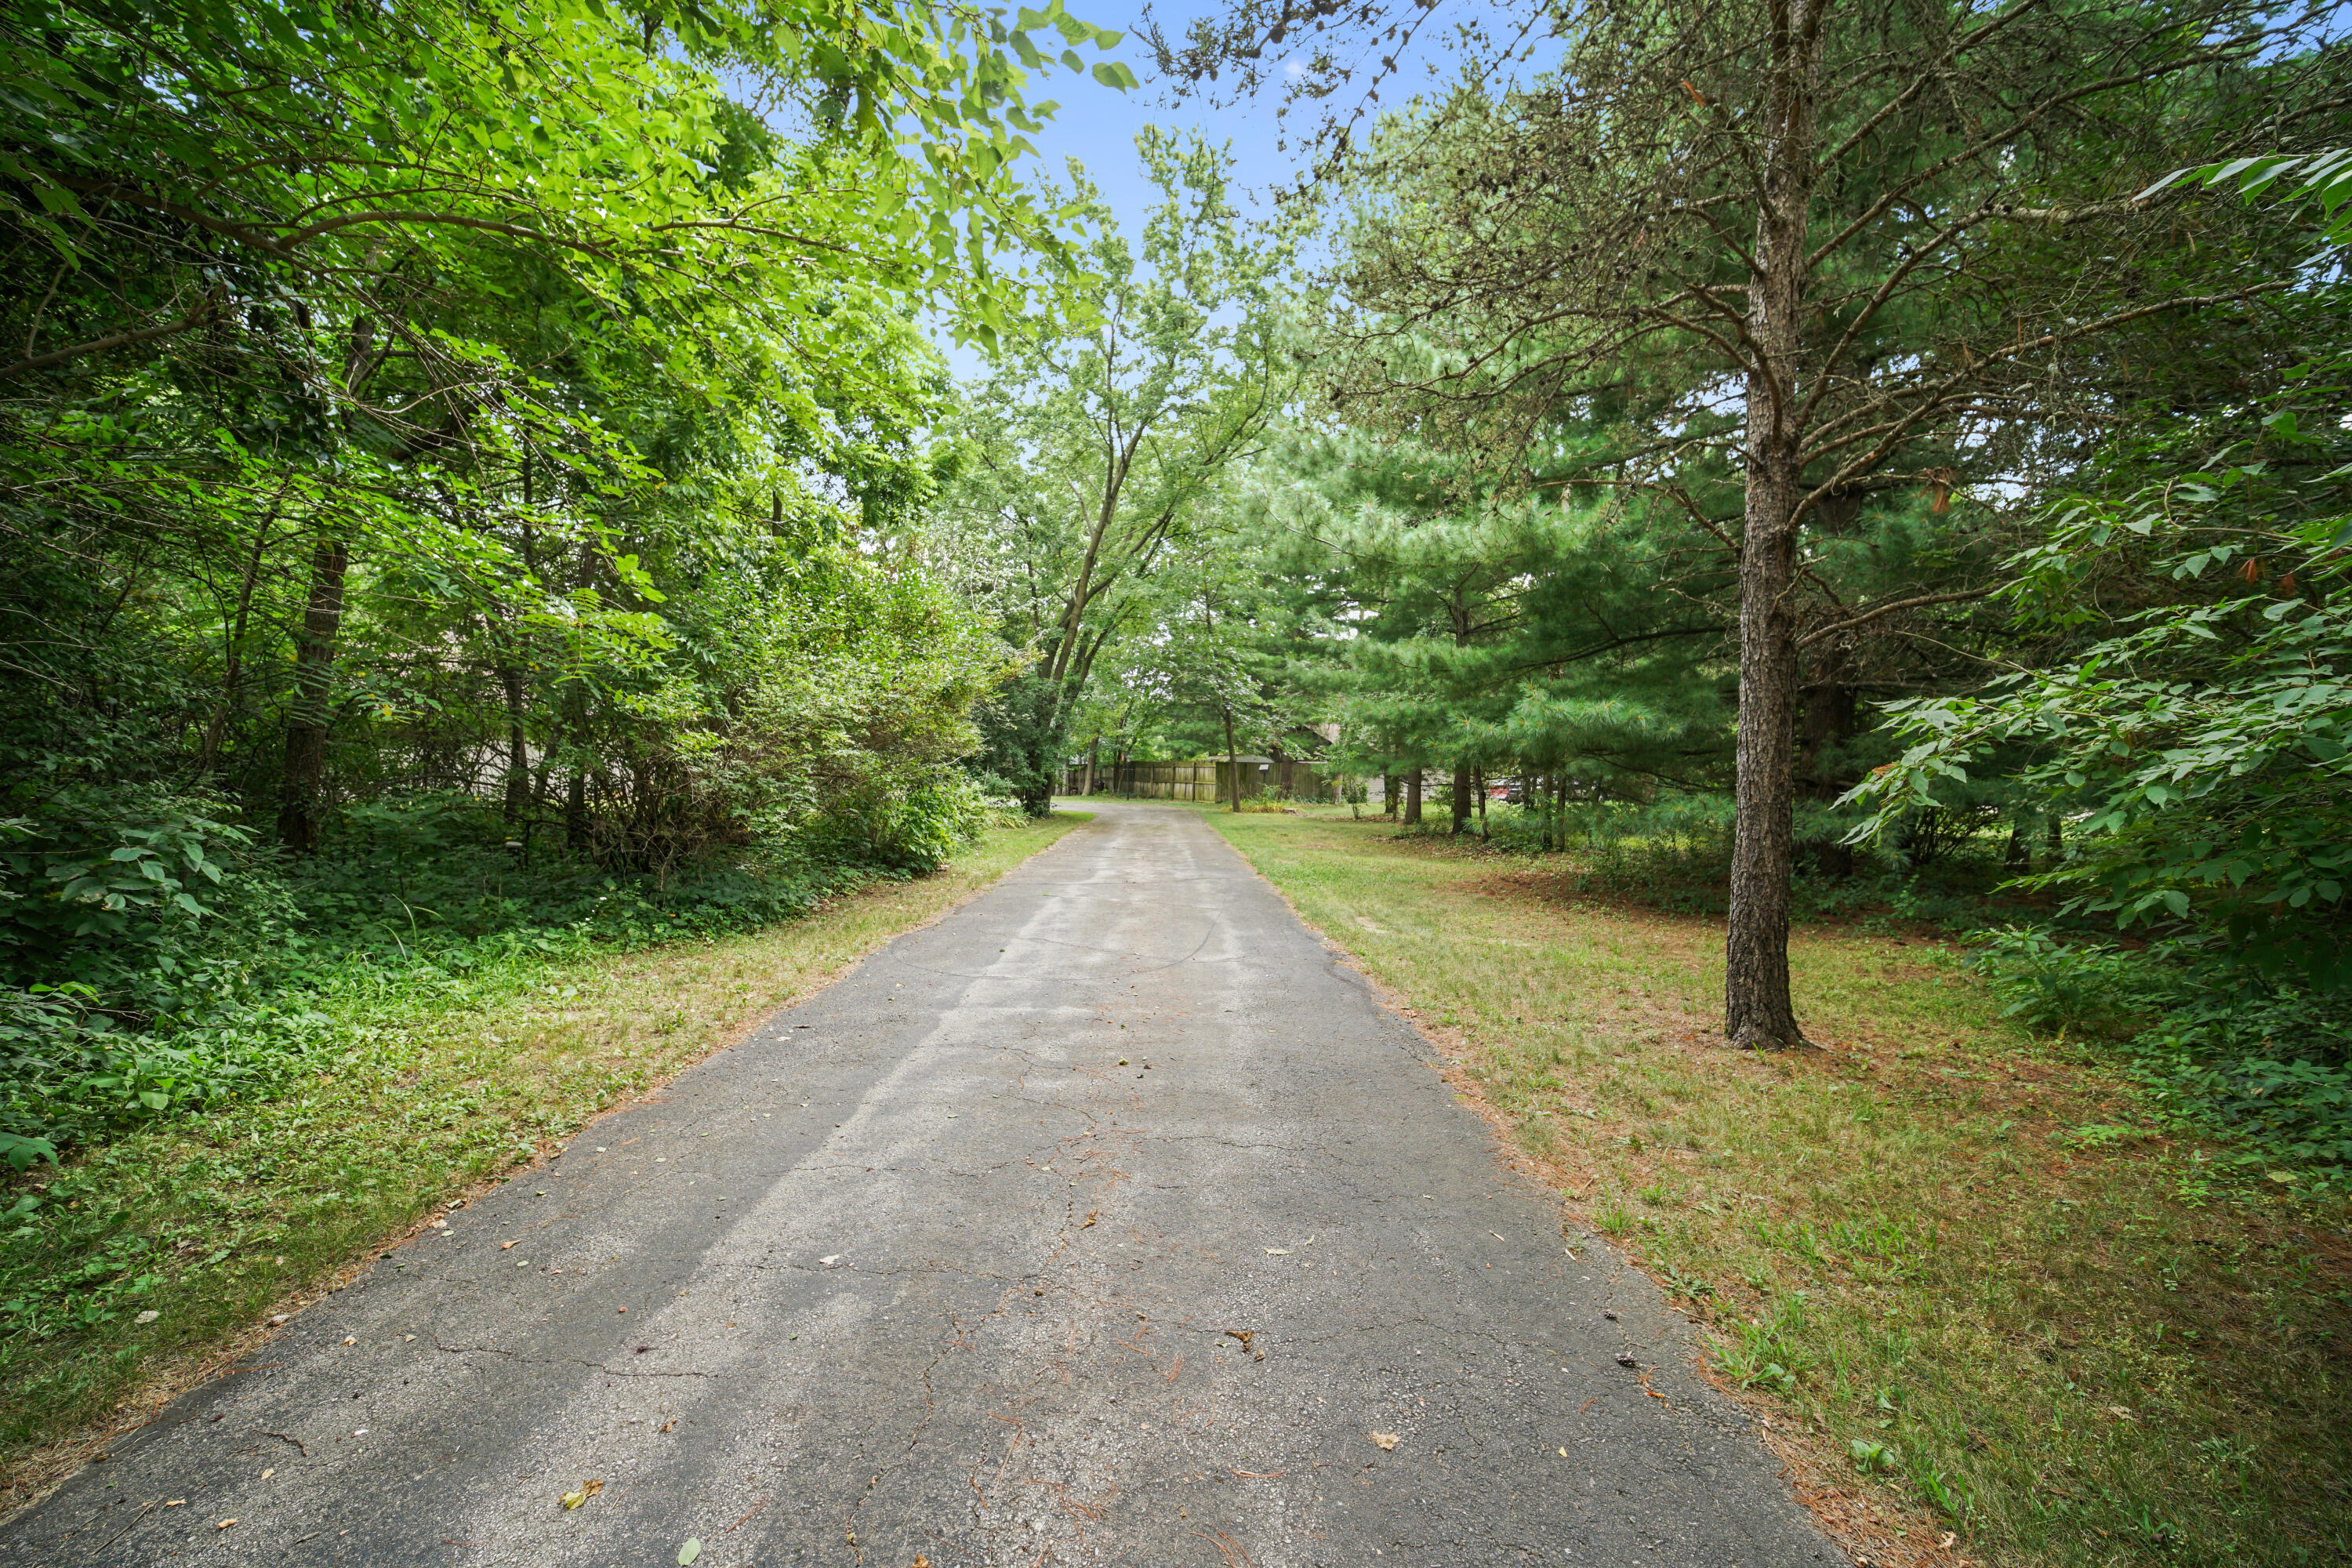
x,y
1460,797
1412,799
302,784
1757,1013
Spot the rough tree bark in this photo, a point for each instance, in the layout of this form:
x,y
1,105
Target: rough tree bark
x,y
1757,1015
302,783
1460,797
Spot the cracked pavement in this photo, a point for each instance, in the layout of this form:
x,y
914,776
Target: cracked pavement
x,y
923,1268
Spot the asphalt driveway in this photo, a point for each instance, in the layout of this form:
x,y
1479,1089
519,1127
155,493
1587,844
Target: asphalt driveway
x,y
1107,1220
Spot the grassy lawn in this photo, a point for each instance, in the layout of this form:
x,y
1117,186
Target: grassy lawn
x,y
1975,1294
133,1272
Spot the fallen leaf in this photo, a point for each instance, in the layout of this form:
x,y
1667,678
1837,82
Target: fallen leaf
x,y
349,1340
1387,1441
690,1551
1946,1542
267,1474
668,1424
225,1524
177,1502
510,1246
1090,1219
587,1490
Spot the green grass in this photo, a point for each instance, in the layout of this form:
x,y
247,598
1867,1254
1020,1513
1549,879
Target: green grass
x,y
1975,1288
200,1225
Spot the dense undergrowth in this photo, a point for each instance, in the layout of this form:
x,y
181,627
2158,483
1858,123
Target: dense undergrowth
x,y
152,970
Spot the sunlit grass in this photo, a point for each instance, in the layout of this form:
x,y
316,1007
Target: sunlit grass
x,y
1976,1293
205,1223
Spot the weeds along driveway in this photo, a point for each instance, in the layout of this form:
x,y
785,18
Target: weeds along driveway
x,y
1107,1220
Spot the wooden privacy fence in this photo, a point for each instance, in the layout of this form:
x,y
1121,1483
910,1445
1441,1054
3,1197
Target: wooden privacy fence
x,y
1202,778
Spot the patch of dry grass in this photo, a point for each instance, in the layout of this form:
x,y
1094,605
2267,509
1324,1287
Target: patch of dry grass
x,y
1976,1296
208,1225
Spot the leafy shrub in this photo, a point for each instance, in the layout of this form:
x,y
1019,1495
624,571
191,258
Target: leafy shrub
x,y
2272,1073
151,900
66,1073
900,827
2081,987
2268,1070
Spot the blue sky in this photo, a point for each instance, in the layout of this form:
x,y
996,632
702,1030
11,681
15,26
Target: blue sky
x,y
1096,125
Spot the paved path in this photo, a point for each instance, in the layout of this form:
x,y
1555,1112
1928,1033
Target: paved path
x,y
925,1269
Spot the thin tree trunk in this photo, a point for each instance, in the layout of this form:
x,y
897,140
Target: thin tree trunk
x,y
1481,787
1460,797
233,657
1094,750
1233,759
1412,799
517,753
302,785
1389,796
1757,1013
575,812
2017,856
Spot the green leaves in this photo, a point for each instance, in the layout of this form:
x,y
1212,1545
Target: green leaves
x,y
2200,750
2324,178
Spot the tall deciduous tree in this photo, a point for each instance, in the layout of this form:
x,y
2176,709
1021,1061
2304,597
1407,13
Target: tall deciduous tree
x,y
1092,451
